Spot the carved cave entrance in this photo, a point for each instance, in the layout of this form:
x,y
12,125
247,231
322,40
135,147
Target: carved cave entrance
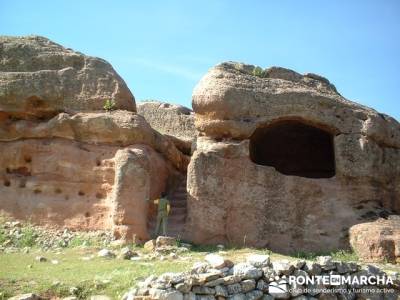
x,y
294,148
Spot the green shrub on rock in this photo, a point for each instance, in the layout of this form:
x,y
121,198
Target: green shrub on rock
x,y
109,105
258,72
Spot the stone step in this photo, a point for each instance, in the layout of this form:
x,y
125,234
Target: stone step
x,y
170,225
176,220
173,218
174,200
173,228
178,197
178,210
178,201
180,191
178,204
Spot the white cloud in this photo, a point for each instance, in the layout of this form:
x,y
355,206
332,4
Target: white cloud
x,y
173,69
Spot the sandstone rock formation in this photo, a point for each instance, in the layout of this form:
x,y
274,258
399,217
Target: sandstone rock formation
x,y
41,78
281,160
63,161
378,240
284,161
172,120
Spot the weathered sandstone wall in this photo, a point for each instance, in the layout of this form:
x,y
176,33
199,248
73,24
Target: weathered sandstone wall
x,y
63,160
261,173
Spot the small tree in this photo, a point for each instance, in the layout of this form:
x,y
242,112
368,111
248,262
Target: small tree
x,y
257,71
109,105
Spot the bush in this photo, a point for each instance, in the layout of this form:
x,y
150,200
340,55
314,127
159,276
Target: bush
x,y
257,71
27,238
344,255
109,105
3,236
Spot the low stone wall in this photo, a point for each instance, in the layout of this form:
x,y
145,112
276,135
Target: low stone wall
x,y
259,278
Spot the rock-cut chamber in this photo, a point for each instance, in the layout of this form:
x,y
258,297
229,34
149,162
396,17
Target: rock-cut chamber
x,y
294,148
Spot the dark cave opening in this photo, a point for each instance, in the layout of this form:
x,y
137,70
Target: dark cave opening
x,y
294,148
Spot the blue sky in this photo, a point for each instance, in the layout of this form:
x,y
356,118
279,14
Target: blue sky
x,y
162,48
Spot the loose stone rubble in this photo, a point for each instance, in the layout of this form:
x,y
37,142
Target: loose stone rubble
x,y
165,245
259,278
47,238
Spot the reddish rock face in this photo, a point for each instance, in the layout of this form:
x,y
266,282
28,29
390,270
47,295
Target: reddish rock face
x,y
283,161
66,162
79,185
378,240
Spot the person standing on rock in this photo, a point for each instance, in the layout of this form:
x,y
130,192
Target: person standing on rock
x,y
162,215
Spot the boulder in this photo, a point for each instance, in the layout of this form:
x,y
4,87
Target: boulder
x,y
150,245
39,78
40,258
246,271
258,260
377,241
278,153
163,241
172,120
216,261
127,253
166,294
283,267
106,253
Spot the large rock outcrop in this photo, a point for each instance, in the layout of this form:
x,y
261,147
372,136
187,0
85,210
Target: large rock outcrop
x,y
175,121
63,161
284,161
378,240
39,78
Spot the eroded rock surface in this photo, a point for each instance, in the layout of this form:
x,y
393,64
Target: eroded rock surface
x,y
284,161
64,160
121,128
39,78
378,240
175,121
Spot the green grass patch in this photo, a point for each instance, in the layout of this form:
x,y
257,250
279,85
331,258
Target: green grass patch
x,y
21,273
340,255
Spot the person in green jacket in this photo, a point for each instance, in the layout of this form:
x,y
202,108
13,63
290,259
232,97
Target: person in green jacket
x,y
162,215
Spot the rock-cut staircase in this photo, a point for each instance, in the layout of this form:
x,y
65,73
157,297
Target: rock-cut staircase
x,y
177,216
